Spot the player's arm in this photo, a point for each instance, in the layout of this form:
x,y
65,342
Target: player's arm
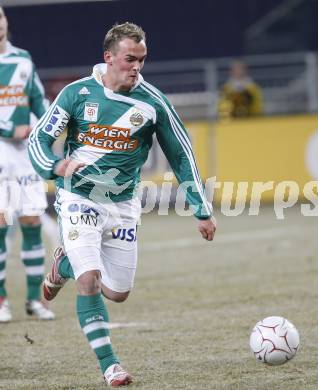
x,y
175,143
38,103
9,130
48,129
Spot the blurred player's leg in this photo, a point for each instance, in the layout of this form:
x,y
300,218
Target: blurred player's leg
x,y
32,255
31,206
5,313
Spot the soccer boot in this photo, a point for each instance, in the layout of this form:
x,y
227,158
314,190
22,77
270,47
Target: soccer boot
x,y
5,313
53,281
38,309
116,376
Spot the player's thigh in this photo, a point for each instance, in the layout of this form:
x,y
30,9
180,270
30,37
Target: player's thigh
x,y
119,258
4,193
4,179
80,226
28,192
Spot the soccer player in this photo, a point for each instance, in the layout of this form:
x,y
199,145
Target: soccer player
x,y
110,118
21,189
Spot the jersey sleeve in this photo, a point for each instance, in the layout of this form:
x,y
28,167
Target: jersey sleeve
x,y
48,129
176,145
38,103
6,129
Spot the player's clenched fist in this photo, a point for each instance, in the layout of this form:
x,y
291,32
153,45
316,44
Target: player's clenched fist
x,y
207,228
67,167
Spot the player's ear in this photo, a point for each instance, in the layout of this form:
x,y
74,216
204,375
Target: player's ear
x,y
108,57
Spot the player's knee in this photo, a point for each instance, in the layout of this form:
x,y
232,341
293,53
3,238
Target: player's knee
x,y
31,221
89,283
119,297
3,221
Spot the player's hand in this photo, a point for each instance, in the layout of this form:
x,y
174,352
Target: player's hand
x,y
207,228
67,167
22,132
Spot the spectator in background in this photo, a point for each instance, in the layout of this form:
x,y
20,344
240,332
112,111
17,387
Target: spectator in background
x,y
240,96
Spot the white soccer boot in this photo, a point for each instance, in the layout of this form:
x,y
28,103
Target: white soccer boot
x,y
5,313
54,281
116,376
38,309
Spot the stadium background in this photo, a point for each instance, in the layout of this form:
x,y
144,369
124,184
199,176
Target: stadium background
x,y
207,297
190,50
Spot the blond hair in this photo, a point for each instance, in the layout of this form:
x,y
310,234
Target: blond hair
x,y
120,31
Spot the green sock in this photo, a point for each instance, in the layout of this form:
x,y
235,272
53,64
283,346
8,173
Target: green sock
x,y
33,259
3,257
65,269
93,318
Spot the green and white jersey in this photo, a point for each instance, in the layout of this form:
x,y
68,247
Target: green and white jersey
x,y
21,91
112,134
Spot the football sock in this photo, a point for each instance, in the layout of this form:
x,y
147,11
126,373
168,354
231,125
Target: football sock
x,y
65,269
93,318
3,256
32,255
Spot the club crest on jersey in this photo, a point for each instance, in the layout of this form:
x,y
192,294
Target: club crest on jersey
x,y
73,234
136,119
91,111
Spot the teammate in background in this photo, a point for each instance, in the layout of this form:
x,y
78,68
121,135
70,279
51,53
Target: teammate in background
x,y
111,117
240,96
21,189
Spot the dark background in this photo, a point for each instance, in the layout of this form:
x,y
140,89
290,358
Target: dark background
x,y
72,34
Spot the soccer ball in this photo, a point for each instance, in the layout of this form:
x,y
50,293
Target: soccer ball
x,y
274,340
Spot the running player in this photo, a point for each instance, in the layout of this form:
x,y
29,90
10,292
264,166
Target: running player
x,y
21,189
110,118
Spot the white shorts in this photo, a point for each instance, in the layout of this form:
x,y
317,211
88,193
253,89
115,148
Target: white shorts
x,y
22,190
102,237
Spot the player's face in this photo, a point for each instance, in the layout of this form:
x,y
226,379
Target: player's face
x,y
3,25
125,62
238,70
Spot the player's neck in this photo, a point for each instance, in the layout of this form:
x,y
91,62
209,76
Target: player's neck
x,y
3,45
112,84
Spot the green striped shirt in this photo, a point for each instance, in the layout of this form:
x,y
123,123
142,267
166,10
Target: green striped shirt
x,y
112,134
21,91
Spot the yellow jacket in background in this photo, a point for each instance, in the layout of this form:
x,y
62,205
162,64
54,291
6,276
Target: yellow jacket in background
x,y
240,99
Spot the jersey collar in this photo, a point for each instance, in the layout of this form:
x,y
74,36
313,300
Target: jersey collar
x,y
100,69
10,49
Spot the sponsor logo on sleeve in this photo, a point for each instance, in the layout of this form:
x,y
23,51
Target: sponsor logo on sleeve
x,y
57,122
91,112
